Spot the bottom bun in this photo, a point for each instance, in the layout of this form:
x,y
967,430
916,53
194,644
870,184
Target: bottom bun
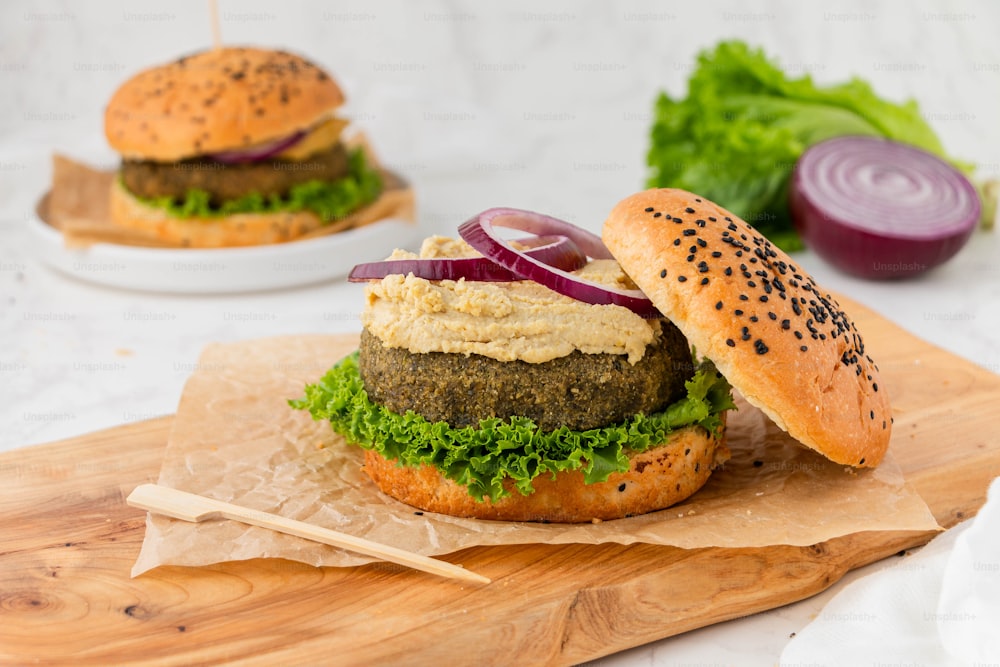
x,y
242,229
657,478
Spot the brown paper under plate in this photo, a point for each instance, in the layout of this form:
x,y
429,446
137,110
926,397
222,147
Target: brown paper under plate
x,y
78,205
236,439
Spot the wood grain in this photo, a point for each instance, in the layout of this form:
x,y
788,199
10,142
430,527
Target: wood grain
x,y
68,541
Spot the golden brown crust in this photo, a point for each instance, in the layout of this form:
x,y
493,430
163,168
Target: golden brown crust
x,y
657,478
217,100
777,337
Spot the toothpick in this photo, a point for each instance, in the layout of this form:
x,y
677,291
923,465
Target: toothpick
x,y
213,14
191,507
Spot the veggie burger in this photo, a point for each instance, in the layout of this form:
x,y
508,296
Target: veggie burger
x,y
232,147
552,378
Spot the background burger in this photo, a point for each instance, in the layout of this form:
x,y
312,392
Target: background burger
x,y
234,146
573,400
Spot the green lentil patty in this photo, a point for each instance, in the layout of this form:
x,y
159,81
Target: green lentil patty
x,y
223,182
580,391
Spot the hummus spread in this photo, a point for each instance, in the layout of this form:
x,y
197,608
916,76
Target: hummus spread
x,y
504,321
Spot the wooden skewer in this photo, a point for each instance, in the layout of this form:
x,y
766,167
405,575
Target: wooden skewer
x,y
191,507
213,13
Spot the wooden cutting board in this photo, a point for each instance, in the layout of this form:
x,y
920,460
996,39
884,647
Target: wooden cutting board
x,y
68,541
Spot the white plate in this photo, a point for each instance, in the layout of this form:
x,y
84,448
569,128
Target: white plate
x,y
224,270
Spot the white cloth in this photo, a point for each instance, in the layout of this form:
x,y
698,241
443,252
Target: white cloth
x,y
939,606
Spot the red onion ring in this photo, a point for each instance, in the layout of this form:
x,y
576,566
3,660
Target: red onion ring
x,y
876,208
259,152
557,251
480,233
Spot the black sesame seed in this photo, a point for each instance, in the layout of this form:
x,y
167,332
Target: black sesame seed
x,y
798,334
786,324
804,348
702,243
689,210
621,487
730,342
657,214
875,386
663,273
728,271
751,283
704,281
681,279
649,209
760,346
763,298
772,316
758,464
690,232
737,312
677,241
718,305
716,254
872,414
744,297
690,258
753,318
678,220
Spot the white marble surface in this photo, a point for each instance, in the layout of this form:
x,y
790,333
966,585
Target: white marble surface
x,y
535,105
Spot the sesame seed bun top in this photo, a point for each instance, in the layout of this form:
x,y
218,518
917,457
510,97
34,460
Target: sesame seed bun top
x,y
779,339
217,100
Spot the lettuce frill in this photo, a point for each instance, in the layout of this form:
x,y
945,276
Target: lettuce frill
x,y
482,458
330,200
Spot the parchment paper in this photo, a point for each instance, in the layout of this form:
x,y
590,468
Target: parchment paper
x,y
236,439
78,204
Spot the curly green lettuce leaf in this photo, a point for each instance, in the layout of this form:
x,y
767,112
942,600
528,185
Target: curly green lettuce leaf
x,y
482,458
737,135
330,200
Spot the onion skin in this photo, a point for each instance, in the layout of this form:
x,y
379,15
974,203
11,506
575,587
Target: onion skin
x,y
479,233
866,255
873,245
557,251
